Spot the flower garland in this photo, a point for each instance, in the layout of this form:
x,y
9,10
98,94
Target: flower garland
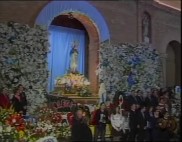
x,y
124,67
23,54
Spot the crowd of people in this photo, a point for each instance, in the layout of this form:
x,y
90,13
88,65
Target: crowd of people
x,y
18,101
133,117
137,117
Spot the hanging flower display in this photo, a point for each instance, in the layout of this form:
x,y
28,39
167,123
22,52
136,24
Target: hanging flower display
x,y
23,60
125,67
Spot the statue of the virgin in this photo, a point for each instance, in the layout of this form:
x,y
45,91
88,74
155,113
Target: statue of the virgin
x,y
146,29
74,57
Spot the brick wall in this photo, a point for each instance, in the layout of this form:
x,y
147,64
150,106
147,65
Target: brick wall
x,y
123,19
121,16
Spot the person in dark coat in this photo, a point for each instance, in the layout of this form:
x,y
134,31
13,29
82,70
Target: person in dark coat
x,y
140,98
126,104
141,124
132,98
132,123
149,116
80,131
17,102
23,98
152,98
101,119
155,98
165,133
148,99
154,126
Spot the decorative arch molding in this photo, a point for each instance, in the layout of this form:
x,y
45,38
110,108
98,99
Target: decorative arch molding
x,y
167,40
173,44
173,63
56,8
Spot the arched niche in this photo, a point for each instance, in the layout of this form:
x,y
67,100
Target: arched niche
x,y
56,8
93,22
173,64
146,27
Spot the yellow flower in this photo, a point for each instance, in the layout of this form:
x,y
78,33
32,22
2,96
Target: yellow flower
x,y
21,134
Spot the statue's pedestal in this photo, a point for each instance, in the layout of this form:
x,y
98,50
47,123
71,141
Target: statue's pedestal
x,y
83,100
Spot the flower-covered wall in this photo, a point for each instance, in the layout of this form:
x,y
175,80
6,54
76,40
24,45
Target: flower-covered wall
x,y
124,67
23,60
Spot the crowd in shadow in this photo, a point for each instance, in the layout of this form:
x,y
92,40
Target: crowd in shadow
x,y
136,117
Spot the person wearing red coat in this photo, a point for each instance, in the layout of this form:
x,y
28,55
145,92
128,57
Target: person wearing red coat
x,y
4,99
70,118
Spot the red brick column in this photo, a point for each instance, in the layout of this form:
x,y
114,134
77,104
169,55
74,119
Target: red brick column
x,y
93,46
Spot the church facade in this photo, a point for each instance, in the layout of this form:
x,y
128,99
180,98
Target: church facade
x,y
127,22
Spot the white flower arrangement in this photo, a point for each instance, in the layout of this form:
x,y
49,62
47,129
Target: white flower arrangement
x,y
47,139
23,60
73,83
124,67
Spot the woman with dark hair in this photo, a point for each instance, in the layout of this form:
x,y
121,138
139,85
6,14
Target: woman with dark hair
x,y
166,127
117,121
116,97
120,99
101,119
17,102
23,98
156,132
4,98
80,130
86,113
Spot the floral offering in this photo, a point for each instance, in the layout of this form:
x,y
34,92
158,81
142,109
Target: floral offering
x,y
12,125
48,123
74,83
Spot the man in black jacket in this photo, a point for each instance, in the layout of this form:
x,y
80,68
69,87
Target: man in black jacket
x,y
141,124
140,98
151,99
80,131
132,98
132,122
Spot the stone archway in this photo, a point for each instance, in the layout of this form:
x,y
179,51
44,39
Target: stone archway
x,y
173,64
93,48
93,22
